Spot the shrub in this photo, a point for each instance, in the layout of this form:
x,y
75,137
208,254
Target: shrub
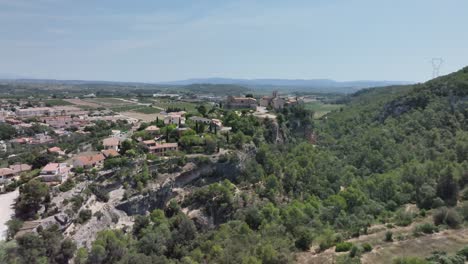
x,y
389,236
465,195
343,246
403,218
438,203
444,258
448,217
426,228
98,215
84,216
464,211
367,247
326,240
305,240
463,252
354,251
67,185
409,260
101,195
422,212
14,225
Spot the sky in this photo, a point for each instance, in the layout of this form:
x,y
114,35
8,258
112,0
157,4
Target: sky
x,y
155,41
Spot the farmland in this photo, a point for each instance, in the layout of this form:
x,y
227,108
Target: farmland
x,y
320,109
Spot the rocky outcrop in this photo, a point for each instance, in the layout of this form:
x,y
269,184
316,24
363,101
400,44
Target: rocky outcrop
x,y
158,198
105,216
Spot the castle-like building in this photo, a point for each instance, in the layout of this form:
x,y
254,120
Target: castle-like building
x,y
276,102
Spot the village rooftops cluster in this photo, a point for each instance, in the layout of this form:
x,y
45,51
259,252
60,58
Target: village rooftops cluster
x,y
274,101
241,102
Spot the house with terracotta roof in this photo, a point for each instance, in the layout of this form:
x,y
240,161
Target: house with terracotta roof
x,y
22,140
109,153
6,174
89,161
56,150
55,173
111,143
152,129
19,168
163,149
149,143
13,172
175,118
160,149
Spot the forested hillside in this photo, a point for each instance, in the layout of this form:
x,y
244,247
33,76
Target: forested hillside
x,y
387,149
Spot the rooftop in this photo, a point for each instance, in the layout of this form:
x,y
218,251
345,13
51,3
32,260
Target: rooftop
x,y
5,171
110,153
51,167
111,141
164,145
152,128
91,159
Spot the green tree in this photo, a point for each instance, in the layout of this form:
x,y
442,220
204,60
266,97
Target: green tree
x,y
447,187
32,195
6,131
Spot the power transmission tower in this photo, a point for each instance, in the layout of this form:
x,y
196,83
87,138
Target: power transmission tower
x,y
436,65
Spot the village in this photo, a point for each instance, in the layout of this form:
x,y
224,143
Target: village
x,y
54,144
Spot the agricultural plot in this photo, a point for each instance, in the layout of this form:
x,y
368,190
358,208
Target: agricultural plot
x,y
185,106
82,103
320,109
57,102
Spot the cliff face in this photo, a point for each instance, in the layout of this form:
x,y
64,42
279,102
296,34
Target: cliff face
x,y
158,198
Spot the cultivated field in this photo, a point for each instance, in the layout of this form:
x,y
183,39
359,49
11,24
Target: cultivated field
x,y
142,116
320,109
82,103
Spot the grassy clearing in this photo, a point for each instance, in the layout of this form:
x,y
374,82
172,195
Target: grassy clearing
x,y
404,244
320,108
57,102
125,108
186,106
449,241
148,110
82,104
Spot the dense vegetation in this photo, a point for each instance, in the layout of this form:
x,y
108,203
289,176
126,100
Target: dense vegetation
x,y
386,148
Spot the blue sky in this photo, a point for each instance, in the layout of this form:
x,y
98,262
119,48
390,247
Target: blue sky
x,y
151,40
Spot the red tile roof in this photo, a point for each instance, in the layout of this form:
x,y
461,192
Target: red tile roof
x,y
110,153
109,142
91,159
6,171
164,145
51,167
54,149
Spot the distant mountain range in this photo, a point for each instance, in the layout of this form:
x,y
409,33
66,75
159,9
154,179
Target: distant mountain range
x,y
324,85
300,85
